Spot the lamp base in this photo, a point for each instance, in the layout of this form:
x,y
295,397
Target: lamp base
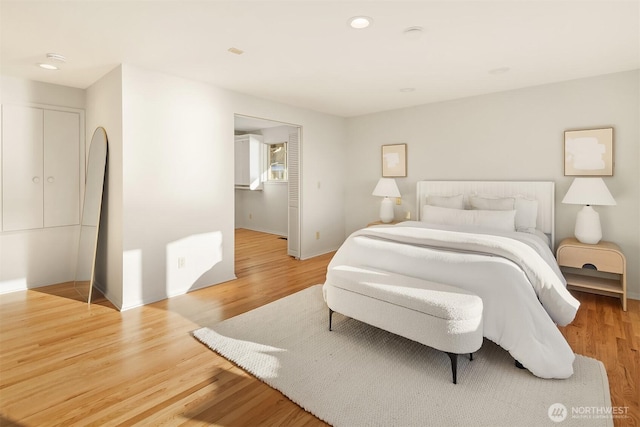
x,y
386,210
588,229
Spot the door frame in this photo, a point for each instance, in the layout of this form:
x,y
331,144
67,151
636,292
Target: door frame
x,y
253,123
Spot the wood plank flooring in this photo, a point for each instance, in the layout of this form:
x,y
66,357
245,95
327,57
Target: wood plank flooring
x,y
65,363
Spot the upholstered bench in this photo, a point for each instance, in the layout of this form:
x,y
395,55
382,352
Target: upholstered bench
x,y
444,317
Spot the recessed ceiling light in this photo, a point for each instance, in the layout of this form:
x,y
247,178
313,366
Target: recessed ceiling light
x,y
408,89
48,66
500,70
235,50
413,32
360,22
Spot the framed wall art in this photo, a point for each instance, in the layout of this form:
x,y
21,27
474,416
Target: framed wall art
x,y
394,160
588,152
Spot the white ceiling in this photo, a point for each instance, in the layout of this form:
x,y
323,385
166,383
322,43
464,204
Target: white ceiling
x,y
303,53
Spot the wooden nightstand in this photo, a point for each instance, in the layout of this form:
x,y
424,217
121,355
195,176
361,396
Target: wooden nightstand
x,y
599,268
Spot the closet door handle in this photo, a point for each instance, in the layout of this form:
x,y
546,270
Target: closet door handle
x,y
51,179
35,179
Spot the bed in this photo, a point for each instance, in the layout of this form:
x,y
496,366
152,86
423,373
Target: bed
x,y
492,238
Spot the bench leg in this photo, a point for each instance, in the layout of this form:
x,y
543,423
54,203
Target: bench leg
x,y
454,366
470,356
330,317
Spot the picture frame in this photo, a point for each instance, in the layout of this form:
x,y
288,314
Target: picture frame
x,y
588,152
394,160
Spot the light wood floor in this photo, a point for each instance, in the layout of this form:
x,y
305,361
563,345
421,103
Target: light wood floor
x,y
63,363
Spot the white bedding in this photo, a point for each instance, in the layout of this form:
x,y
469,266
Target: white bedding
x,y
514,273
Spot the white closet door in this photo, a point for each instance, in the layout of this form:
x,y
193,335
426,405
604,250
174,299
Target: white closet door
x,y
22,160
61,168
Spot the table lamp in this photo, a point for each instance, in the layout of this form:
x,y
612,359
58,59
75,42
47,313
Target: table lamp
x,y
386,188
587,192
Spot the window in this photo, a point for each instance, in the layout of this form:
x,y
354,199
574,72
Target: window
x,y
277,162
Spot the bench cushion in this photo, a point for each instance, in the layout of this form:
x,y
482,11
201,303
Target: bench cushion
x,y
431,298
441,316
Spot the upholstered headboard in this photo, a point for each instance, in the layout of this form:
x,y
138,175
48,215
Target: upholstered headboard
x,y
542,191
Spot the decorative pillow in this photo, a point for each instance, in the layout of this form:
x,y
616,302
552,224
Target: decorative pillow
x,y
526,214
526,209
492,204
453,202
496,220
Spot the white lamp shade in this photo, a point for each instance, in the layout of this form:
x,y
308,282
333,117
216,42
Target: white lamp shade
x,y
589,191
386,187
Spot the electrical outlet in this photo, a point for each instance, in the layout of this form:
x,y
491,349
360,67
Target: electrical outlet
x,y
398,200
317,235
182,261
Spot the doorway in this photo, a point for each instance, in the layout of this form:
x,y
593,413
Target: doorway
x,y
267,196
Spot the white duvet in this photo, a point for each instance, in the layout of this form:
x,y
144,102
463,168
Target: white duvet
x,y
523,292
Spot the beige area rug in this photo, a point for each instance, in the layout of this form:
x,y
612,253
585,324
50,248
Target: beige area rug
x,y
358,375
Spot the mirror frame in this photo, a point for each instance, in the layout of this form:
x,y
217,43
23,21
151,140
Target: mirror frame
x,y
96,168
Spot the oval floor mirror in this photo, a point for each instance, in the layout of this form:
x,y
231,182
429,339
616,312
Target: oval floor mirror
x,y
90,224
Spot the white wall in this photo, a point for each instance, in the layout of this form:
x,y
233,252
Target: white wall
x,y
33,258
515,135
178,191
21,91
265,210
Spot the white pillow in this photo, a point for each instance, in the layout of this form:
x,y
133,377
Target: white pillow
x,y
496,220
453,202
492,204
526,209
526,214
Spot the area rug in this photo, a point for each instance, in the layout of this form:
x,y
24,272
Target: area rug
x,y
358,375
